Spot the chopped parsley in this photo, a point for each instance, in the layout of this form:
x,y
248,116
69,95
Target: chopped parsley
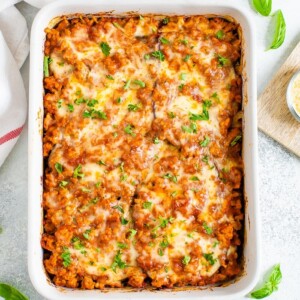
x,y
174,194
133,232
147,56
85,190
70,107
165,21
63,184
180,87
129,130
147,205
190,129
160,252
182,76
77,172
122,245
220,34
119,208
205,159
207,229
184,42
92,113
58,167
171,177
194,178
119,100
205,115
133,107
171,115
140,83
158,54
86,234
187,57
205,142
124,221
164,243
105,48
118,263
209,257
127,84
222,61
156,140
79,101
101,162
164,41
186,259
235,140
59,103
92,102
66,257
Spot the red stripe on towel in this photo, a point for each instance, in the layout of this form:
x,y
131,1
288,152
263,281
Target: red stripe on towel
x,y
11,135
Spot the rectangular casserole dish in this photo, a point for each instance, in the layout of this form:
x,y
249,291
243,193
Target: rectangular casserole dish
x,y
251,247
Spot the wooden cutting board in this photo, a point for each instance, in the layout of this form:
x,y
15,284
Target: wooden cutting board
x,y
274,117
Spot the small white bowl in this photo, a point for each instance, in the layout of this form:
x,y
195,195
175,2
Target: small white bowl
x,y
289,98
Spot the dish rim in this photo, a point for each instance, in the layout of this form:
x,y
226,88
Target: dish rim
x,y
35,131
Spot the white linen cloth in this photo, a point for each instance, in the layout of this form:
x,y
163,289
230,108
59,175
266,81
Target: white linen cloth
x,y
14,48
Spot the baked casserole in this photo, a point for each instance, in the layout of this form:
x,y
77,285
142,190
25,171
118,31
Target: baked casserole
x,y
143,175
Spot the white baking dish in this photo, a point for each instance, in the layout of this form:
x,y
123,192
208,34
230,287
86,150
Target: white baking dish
x,y
183,7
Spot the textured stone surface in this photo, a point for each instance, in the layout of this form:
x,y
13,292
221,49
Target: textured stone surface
x,y
279,182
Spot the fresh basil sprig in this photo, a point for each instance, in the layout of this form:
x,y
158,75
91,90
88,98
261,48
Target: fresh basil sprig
x,y
10,293
263,7
280,29
270,285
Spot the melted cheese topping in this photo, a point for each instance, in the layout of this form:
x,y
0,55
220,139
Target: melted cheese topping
x,y
143,173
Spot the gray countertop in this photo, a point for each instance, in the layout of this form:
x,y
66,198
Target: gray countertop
x,y
279,181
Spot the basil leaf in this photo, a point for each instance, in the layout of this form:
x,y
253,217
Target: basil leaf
x,y
280,30
276,275
263,7
270,285
10,293
265,291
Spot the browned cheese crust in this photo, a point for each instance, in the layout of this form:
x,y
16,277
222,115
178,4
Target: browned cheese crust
x,y
142,146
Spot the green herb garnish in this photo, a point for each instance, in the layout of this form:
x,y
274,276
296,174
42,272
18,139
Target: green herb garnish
x,y
222,61
209,257
280,30
194,178
119,208
235,140
58,167
190,129
158,54
171,177
129,130
147,205
186,260
66,257
10,293
86,234
270,285
133,107
187,57
105,48
118,263
220,34
263,7
77,172
205,142
164,41
207,229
